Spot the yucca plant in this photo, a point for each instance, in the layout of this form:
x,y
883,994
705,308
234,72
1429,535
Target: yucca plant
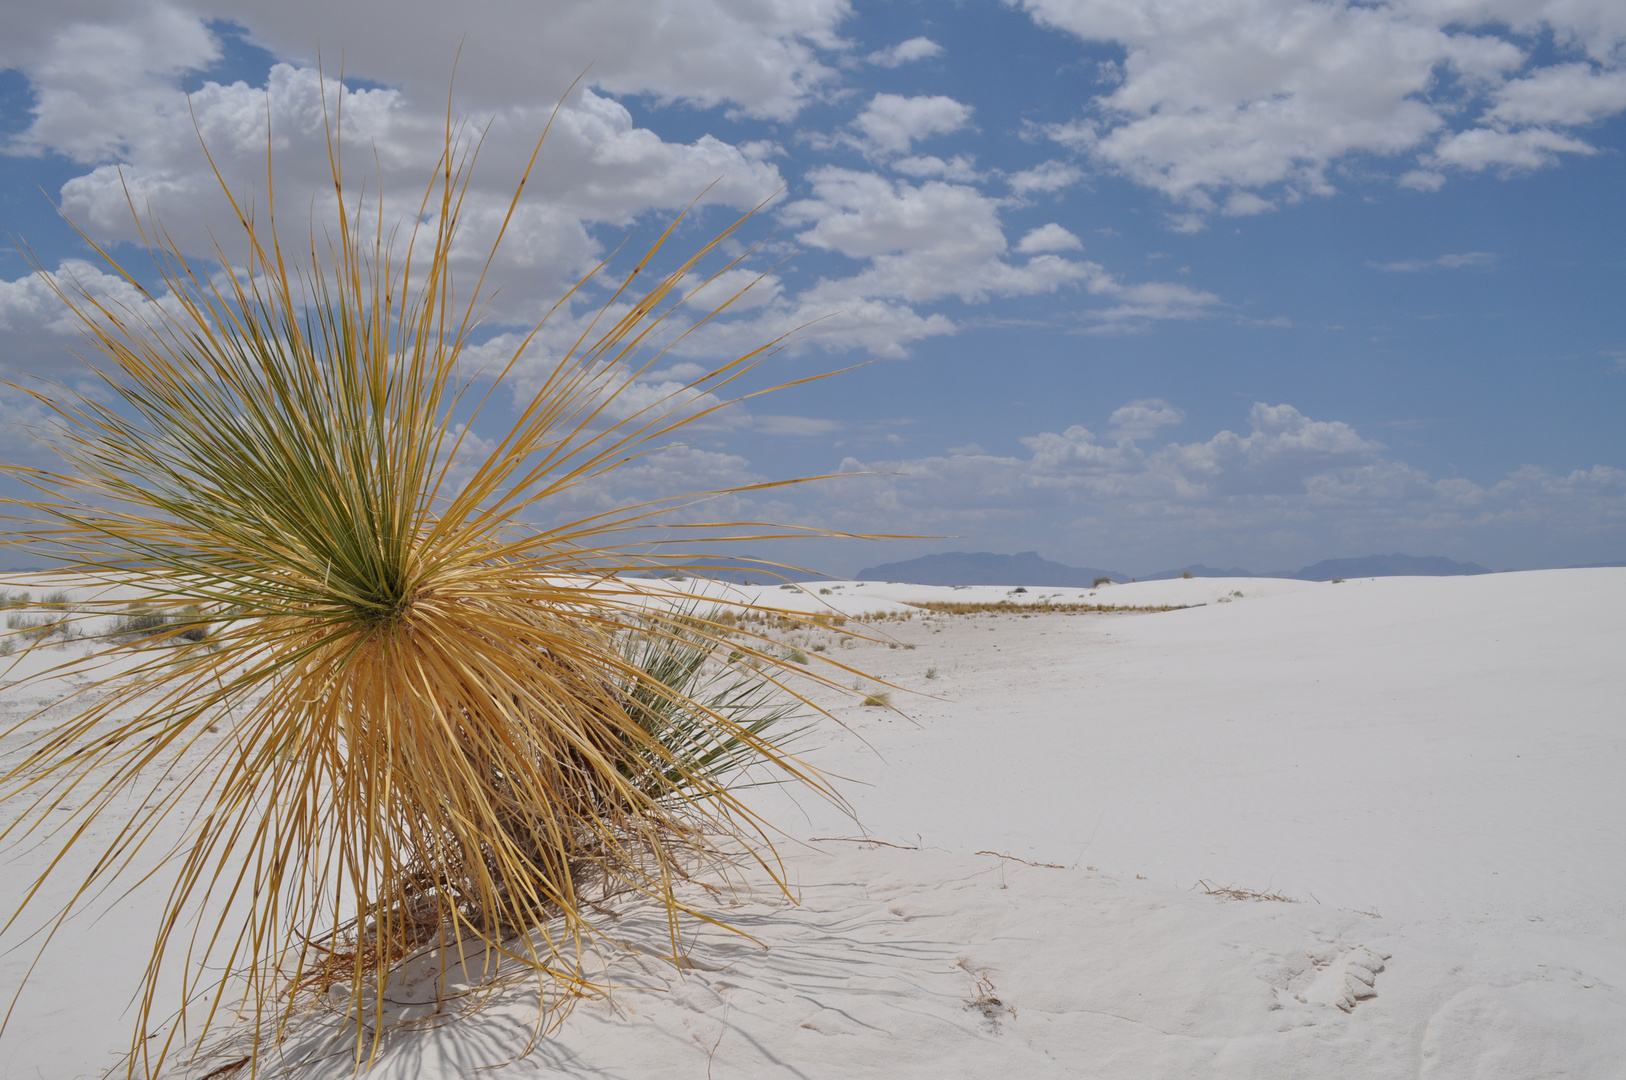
x,y
677,669
446,721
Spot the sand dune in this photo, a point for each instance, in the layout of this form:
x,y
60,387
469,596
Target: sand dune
x,y
1429,767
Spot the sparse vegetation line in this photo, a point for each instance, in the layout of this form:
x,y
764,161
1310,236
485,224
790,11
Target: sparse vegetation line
x,y
1044,607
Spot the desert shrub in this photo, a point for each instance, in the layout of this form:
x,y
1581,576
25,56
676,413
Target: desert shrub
x,y
146,622
1100,581
50,625
879,697
140,620
457,723
36,628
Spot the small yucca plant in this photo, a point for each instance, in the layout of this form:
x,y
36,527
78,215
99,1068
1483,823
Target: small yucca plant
x,y
445,723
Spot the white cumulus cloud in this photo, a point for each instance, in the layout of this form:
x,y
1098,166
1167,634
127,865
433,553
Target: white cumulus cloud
x,y
1051,237
923,242
1561,94
1141,418
1221,101
1045,178
1482,148
906,52
39,327
761,58
893,123
108,94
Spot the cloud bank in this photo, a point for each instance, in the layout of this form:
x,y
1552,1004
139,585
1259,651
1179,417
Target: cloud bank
x,y
1239,106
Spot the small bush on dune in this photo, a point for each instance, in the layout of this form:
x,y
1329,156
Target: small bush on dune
x,y
447,719
146,622
34,629
139,620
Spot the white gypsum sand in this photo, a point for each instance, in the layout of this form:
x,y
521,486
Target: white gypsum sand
x,y
1431,766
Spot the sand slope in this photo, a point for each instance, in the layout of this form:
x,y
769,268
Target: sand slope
x,y
1430,765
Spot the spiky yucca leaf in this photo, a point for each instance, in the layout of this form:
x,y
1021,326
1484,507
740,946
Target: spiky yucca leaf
x,y
434,720
677,669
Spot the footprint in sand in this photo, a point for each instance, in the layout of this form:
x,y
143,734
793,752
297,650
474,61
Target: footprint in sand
x,y
1341,976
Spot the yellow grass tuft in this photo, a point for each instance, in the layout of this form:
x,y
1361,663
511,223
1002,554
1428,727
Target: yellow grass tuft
x,y
445,723
1231,893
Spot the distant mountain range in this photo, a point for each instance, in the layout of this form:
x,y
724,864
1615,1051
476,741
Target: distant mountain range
x,y
986,568
739,569
1028,568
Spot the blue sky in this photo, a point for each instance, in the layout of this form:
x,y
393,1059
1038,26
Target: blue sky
x,y
1143,284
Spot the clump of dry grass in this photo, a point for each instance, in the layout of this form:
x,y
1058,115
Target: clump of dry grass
x,y
438,731
1231,893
